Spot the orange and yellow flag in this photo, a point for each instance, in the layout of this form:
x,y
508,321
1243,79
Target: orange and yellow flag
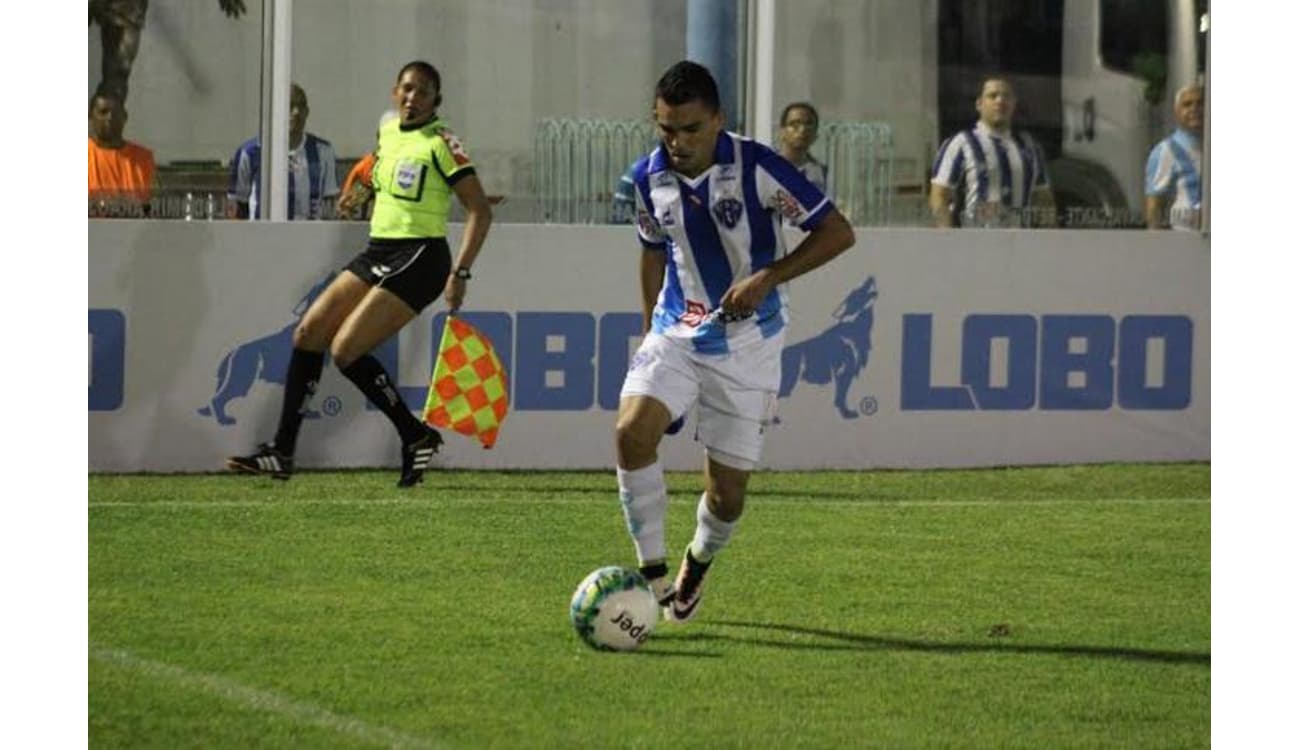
x,y
468,390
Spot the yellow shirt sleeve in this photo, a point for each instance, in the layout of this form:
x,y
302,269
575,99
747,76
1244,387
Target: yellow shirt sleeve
x,y
450,157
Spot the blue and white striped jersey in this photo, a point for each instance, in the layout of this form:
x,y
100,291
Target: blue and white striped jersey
x,y
717,229
994,172
1174,170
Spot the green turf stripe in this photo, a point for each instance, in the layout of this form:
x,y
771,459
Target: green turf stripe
x,y
261,700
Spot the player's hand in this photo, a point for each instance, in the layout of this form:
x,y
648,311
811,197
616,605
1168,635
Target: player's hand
x,y
233,8
454,292
744,297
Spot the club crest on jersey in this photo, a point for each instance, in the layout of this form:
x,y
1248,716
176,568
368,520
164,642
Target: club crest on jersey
x,y
728,211
789,207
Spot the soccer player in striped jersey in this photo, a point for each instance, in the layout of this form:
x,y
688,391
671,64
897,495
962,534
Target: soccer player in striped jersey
x,y
1173,182
709,206
990,175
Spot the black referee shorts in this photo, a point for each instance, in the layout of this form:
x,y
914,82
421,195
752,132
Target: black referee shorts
x,y
415,270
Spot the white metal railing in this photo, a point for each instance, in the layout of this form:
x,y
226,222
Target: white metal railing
x,y
578,164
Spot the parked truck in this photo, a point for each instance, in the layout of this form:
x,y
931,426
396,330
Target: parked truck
x,y
1096,81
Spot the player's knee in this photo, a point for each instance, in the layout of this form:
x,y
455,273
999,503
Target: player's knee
x,y
726,502
636,444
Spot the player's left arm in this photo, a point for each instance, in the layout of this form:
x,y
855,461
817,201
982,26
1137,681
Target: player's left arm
x,y
830,237
783,188
653,264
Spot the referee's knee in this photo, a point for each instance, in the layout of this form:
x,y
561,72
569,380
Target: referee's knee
x,y
342,354
309,337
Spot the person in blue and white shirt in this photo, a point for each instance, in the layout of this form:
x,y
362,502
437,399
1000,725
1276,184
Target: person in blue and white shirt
x,y
623,202
990,175
1173,181
313,176
799,124
709,206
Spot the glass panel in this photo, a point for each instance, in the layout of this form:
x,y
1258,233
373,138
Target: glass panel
x,y
514,75
1093,83
190,73
550,98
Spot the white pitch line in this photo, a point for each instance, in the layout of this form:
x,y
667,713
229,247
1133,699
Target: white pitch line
x,y
759,499
261,700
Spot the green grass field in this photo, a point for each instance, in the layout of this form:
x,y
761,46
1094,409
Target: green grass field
x,y
1035,608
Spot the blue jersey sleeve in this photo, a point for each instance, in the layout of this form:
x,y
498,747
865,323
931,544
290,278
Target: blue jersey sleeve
x,y
652,235
781,186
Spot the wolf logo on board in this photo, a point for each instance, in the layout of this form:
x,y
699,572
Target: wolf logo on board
x,y
265,360
837,354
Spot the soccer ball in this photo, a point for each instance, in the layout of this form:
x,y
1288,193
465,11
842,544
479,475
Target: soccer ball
x,y
613,609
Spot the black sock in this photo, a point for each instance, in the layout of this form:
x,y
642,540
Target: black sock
x,y
369,375
299,387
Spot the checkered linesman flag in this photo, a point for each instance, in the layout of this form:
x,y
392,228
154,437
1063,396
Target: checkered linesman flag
x,y
468,390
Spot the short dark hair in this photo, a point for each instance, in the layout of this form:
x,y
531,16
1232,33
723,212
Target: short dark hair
x,y
688,81
990,79
785,113
106,96
428,71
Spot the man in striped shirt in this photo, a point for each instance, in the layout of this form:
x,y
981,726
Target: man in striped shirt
x,y
999,174
709,205
1173,182
312,163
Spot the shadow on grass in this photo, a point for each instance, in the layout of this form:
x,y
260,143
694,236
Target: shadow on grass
x,y
540,491
859,642
662,652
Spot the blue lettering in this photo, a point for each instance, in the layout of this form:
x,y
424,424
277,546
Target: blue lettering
x,y
616,330
107,359
574,360
1094,362
977,336
1108,368
587,363
917,393
1136,332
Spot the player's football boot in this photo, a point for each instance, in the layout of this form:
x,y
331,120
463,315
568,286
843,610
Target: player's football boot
x,y
690,581
660,584
416,457
267,460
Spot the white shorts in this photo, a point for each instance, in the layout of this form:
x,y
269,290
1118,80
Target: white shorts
x,y
736,391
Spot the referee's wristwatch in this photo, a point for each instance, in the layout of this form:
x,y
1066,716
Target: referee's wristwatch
x,y
463,273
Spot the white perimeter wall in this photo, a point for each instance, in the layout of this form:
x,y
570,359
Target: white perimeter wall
x,y
170,300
